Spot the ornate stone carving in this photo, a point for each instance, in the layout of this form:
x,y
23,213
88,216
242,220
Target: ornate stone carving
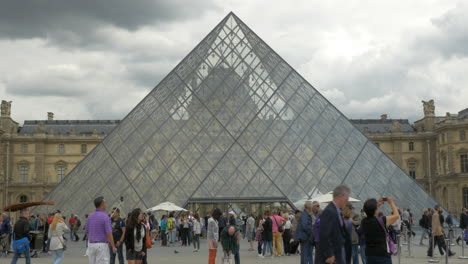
x,y
6,108
396,126
429,108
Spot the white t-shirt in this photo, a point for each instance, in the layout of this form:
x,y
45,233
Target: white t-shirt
x,y
287,225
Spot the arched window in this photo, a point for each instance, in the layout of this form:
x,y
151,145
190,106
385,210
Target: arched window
x,y
23,199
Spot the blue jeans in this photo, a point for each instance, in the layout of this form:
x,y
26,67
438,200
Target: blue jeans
x,y
355,253
119,253
307,249
424,231
26,256
379,260
363,254
57,256
267,244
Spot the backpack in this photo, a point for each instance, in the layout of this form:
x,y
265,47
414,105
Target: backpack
x,y
449,220
421,222
316,230
170,224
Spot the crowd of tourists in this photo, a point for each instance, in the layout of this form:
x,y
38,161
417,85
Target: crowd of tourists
x,y
337,233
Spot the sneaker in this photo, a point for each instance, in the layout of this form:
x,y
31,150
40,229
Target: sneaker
x,y
260,255
451,254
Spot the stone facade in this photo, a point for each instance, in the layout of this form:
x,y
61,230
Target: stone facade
x,y
35,157
433,150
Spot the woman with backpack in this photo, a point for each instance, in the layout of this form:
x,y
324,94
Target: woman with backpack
x,y
379,246
267,234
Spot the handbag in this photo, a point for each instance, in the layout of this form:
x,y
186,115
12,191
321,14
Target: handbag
x,y
148,241
280,228
21,245
391,247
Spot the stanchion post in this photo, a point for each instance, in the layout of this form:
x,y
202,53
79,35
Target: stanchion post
x,y
447,252
404,232
432,259
409,246
399,248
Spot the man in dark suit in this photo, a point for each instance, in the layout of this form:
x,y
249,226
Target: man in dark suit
x,y
330,248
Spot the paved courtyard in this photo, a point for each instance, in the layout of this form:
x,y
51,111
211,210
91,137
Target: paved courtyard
x,y
74,255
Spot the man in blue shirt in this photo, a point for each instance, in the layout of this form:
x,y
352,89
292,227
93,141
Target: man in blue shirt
x,y
5,232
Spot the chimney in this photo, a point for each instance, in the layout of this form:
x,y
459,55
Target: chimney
x,y
383,117
50,116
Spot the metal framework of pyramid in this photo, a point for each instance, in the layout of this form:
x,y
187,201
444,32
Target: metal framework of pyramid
x,y
233,120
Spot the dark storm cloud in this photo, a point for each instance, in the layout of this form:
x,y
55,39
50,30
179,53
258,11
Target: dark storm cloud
x,y
68,21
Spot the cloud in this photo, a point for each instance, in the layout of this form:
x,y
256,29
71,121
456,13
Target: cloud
x,y
79,22
98,59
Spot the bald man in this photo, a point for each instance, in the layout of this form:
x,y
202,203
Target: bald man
x,y
230,239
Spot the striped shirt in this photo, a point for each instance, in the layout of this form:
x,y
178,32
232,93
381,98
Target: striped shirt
x,y
98,226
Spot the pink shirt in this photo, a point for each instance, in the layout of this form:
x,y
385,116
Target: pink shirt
x,y
277,220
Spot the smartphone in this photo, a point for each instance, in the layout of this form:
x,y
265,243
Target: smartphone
x,y
384,198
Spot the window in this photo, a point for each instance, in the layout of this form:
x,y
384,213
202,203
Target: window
x,y
412,169
24,148
23,199
24,173
60,173
464,163
462,135
84,149
411,146
465,197
61,148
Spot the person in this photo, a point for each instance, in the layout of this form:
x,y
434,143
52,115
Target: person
x,y
267,233
185,231
57,244
154,225
85,236
196,232
258,235
304,233
118,234
295,221
355,220
5,232
146,225
424,223
20,231
438,234
76,226
249,230
71,222
99,231
230,240
45,245
330,248
278,223
222,223
450,224
171,228
163,231
463,225
286,234
212,234
374,231
135,233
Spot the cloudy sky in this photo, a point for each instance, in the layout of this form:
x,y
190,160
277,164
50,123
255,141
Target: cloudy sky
x,y
93,59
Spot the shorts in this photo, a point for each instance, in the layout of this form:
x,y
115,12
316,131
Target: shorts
x,y
134,255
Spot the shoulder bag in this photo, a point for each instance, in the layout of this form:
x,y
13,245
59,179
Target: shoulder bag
x,y
391,247
64,245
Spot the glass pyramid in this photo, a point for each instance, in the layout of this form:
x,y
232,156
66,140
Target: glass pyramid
x,y
233,121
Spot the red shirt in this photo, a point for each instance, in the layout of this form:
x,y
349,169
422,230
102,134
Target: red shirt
x,y
72,220
50,220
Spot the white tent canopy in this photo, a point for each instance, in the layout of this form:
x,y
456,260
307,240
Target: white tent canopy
x,y
166,206
328,198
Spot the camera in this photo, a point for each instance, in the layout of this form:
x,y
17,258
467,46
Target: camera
x,y
384,198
